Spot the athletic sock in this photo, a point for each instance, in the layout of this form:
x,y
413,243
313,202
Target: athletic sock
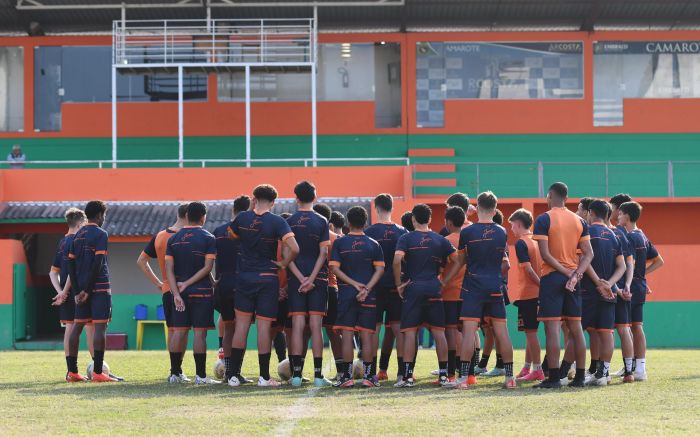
x,y
634,364
527,365
339,369
384,361
580,374
564,368
264,363
536,367
200,362
347,373
408,373
499,361
600,371
641,365
236,359
373,369
227,364
295,361
399,360
237,370
477,356
545,365
484,361
175,363
280,344
474,362
508,367
553,374
457,362
221,342
367,369
442,365
318,365
98,359
72,364
606,367
593,367
464,368
451,363
628,365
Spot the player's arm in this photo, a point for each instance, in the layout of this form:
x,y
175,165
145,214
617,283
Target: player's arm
x,y
532,274
170,269
629,273
655,264
201,274
320,263
547,257
583,264
290,250
335,267
145,267
458,260
620,268
55,278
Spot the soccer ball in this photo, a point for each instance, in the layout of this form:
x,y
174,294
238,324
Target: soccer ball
x,y
219,369
358,369
91,364
284,370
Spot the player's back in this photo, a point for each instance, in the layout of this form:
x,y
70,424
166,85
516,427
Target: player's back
x,y
625,249
526,248
89,242
311,232
643,250
160,244
425,252
357,255
259,234
387,235
606,248
563,231
62,260
227,251
485,246
189,248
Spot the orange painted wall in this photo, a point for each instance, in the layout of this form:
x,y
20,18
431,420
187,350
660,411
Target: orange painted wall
x,y
13,253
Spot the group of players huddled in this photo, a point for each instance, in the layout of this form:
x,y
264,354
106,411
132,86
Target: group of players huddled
x,y
295,275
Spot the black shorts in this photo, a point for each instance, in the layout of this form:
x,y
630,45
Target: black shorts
x,y
388,305
313,302
556,302
637,313
282,321
257,294
66,311
198,313
623,312
482,307
98,308
527,315
168,308
452,310
332,312
422,306
353,315
224,295
598,314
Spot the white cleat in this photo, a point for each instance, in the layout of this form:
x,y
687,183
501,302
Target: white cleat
x,y
184,378
205,381
262,382
234,382
175,379
640,376
600,382
620,373
564,381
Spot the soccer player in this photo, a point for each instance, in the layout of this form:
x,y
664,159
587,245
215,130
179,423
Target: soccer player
x,y
358,263
644,251
337,223
583,207
189,259
528,290
616,201
454,222
559,233
482,246
425,252
89,277
227,251
257,285
407,221
156,248
461,200
387,234
307,287
598,297
75,219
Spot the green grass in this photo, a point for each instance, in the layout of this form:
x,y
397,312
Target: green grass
x,y
34,401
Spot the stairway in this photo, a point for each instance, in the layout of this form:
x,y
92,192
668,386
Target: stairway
x,y
433,174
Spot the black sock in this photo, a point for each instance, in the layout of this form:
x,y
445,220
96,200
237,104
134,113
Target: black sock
x,y
98,359
564,368
399,360
464,368
442,365
280,343
545,365
554,374
229,372
367,367
499,361
600,370
373,369
200,362
295,362
477,356
593,367
318,364
484,361
471,367
240,365
634,364
451,362
339,369
348,370
264,363
72,364
175,363
236,359
221,342
475,361
384,361
508,367
580,374
408,372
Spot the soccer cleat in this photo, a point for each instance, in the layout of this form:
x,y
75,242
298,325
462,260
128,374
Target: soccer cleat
x,y
244,380
596,382
435,372
344,382
174,379
588,378
322,382
471,379
184,378
262,382
116,378
620,373
371,382
295,382
564,381
536,375
382,376
399,378
494,372
478,370
234,382
628,378
548,384
510,383
577,383
221,353
572,371
462,384
75,377
101,377
405,383
524,371
640,376
198,380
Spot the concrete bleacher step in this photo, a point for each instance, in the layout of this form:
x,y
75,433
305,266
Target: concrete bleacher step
x,y
430,191
445,152
433,173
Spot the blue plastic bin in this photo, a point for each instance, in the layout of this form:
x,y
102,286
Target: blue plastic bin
x,y
141,312
160,312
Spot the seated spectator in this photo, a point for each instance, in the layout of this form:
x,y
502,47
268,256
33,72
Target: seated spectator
x,y
16,158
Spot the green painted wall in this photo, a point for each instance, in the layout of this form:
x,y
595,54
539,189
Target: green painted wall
x,y
6,326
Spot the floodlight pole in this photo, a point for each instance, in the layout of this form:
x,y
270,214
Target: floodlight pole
x,y
180,139
314,144
247,115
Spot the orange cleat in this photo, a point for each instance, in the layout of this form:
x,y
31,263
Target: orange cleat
x,y
75,377
524,371
471,380
382,376
101,377
463,385
537,375
510,383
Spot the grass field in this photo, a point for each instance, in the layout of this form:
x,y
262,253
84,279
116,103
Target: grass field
x,y
34,401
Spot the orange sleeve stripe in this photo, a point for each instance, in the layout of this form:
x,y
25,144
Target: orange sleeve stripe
x,y
100,252
585,238
378,263
287,236
540,237
334,263
55,269
210,256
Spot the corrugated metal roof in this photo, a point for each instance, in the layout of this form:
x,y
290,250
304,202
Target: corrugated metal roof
x,y
147,218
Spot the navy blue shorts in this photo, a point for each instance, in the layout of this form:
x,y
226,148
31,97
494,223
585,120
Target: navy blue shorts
x,y
332,311
388,305
313,302
527,315
353,315
556,302
168,308
66,311
637,313
422,306
224,297
199,310
257,294
452,310
98,308
623,312
598,314
479,306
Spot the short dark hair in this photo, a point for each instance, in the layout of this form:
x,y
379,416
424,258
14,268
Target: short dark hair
x,y
265,192
586,202
523,216
324,210
632,209
384,202
195,211
459,199
182,210
487,201
619,199
285,215
305,191
600,208
422,213
337,219
498,217
455,215
74,217
357,217
560,189
406,221
95,208
240,204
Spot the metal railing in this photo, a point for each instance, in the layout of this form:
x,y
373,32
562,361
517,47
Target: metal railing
x,y
154,43
530,179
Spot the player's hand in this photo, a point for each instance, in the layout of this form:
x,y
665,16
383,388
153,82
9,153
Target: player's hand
x,y
179,302
649,290
357,286
362,295
280,265
571,283
401,288
605,289
181,287
59,299
81,297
